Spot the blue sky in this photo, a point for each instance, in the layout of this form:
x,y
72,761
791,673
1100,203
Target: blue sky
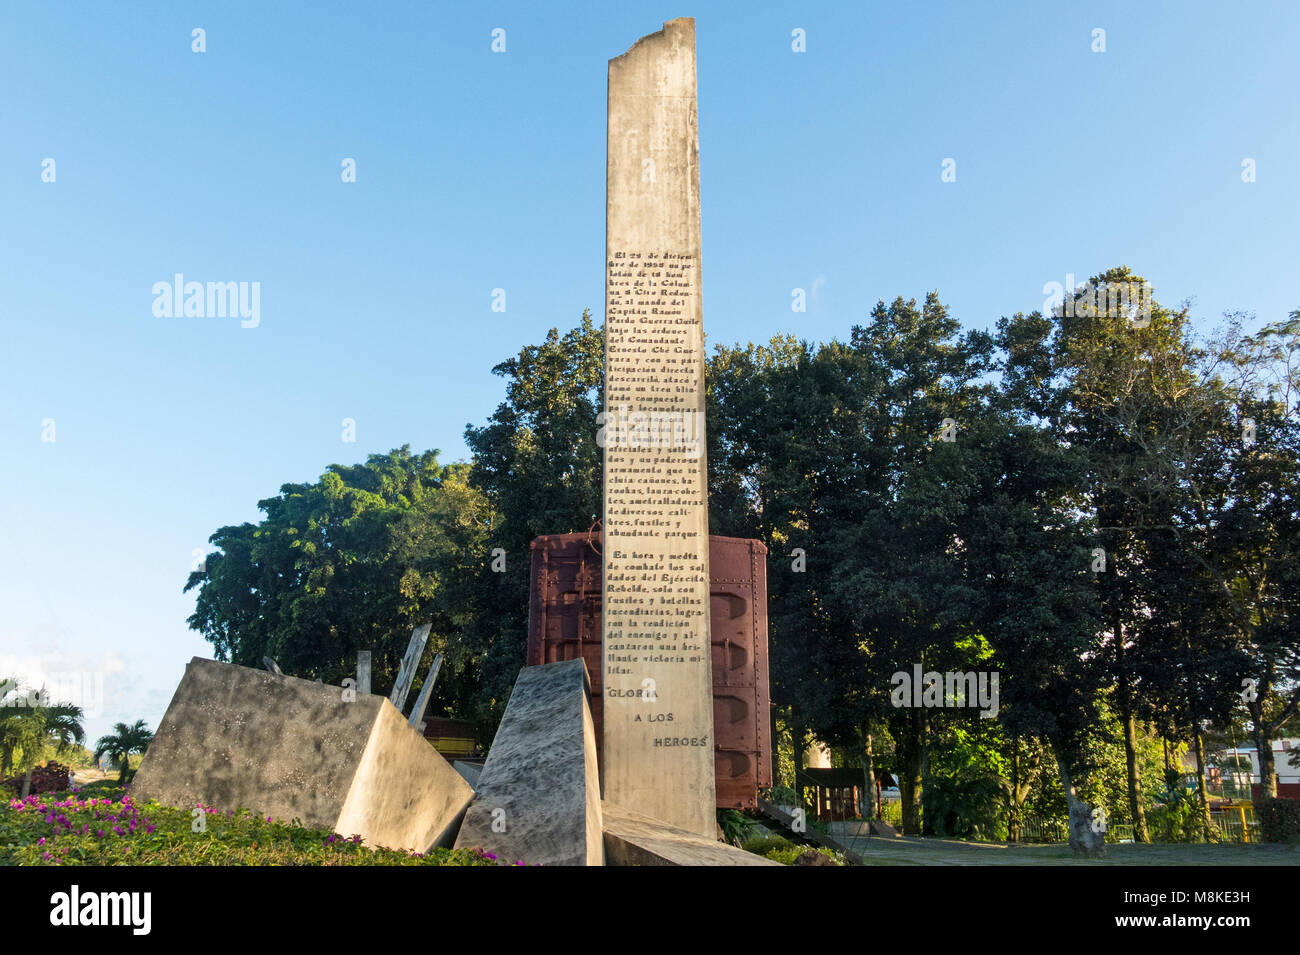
x,y
479,170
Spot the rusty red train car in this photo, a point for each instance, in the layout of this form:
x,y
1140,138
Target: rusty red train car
x,y
564,622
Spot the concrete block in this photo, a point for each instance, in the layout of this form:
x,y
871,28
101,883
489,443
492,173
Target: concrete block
x,y
538,796
290,749
469,771
632,838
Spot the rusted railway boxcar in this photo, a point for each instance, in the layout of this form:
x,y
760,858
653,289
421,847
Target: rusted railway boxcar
x,y
564,622
451,738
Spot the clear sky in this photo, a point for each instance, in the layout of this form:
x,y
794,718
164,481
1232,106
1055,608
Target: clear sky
x,y
479,170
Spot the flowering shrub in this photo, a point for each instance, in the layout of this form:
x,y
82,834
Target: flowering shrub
x,y
52,777
107,827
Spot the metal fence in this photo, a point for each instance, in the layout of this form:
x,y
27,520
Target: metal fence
x,y
1038,828
1230,827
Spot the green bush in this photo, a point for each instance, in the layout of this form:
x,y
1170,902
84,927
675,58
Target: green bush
x,y
762,845
1279,819
782,850
785,856
967,804
782,796
735,825
1175,821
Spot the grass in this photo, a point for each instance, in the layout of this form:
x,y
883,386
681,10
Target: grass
x,y
101,825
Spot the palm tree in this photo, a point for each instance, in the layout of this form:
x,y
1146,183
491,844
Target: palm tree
x,y
15,733
29,728
124,741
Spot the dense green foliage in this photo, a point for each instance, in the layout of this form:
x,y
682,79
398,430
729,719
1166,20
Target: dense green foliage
x,y
33,728
356,562
735,826
1102,510
1279,820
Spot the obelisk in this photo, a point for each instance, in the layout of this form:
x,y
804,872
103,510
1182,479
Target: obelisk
x,y
658,746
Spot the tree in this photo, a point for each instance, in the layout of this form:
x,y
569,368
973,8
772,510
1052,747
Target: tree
x,y
893,537
124,742
539,467
1027,560
1124,374
834,457
1252,515
1026,769
31,727
1206,490
1032,565
1099,376
360,558
777,416
969,786
352,562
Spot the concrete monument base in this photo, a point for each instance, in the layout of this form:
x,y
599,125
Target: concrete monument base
x,y
538,796
237,738
635,839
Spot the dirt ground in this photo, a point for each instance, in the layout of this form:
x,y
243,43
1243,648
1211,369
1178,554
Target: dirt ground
x,y
81,777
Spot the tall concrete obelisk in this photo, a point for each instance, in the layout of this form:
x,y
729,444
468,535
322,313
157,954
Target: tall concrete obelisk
x,y
658,748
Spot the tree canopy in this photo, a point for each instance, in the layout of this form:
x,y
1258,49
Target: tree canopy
x,y
1097,503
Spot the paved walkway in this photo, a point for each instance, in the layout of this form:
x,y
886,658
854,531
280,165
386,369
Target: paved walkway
x,y
907,850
